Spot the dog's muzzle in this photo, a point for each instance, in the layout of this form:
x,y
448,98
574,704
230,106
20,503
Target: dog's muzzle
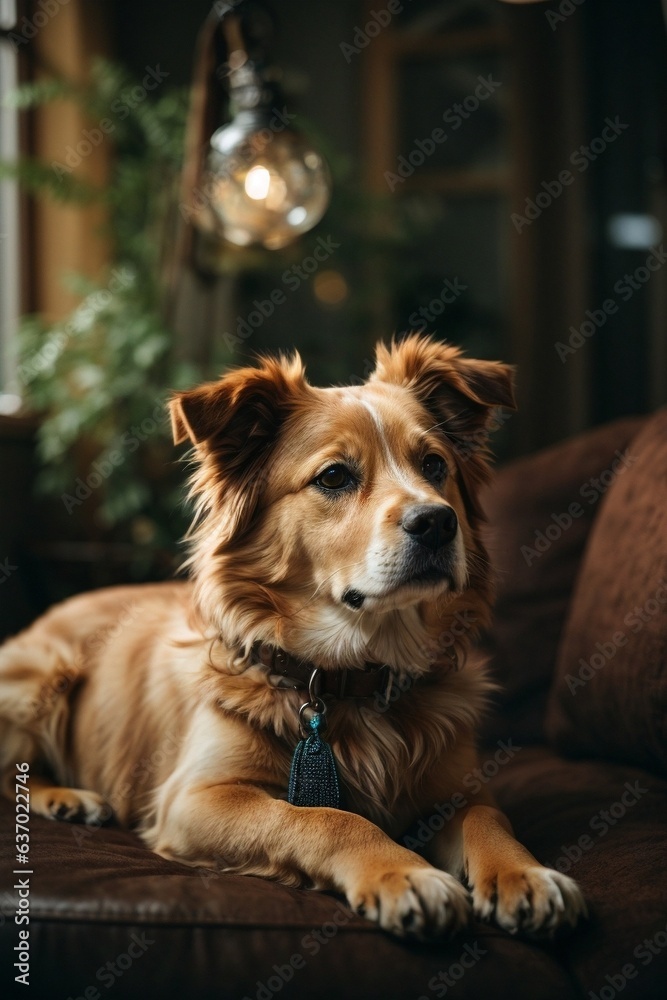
x,y
432,525
428,558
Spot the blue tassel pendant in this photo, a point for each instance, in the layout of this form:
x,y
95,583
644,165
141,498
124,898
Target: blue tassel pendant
x,y
313,778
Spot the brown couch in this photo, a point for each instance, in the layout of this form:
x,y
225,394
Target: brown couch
x,y
579,535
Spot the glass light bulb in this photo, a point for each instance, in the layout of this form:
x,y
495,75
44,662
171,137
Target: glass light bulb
x,y
257,183
264,185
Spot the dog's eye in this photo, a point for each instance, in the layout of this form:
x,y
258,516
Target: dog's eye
x,y
336,477
435,469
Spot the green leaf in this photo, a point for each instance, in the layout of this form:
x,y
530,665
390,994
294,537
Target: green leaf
x,y
55,179
30,95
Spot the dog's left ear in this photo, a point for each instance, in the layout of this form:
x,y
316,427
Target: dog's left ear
x,y
461,392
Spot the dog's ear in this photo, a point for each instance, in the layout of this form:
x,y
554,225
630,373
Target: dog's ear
x,y
243,405
192,413
234,423
461,392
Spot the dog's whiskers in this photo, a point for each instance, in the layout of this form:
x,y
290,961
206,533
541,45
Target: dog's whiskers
x,y
451,416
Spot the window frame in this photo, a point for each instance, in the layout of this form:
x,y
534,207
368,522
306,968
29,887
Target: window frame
x,y
10,215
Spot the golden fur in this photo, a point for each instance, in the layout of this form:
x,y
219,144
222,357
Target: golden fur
x,y
147,698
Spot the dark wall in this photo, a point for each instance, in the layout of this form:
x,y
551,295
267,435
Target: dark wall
x,y
306,41
324,89
622,68
17,604
626,77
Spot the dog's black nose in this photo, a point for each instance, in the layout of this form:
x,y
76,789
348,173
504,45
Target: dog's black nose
x,y
432,525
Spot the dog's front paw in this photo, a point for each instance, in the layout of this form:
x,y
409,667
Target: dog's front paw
x,y
74,805
413,901
535,901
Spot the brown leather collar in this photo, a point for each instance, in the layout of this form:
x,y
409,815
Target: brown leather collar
x,y
360,682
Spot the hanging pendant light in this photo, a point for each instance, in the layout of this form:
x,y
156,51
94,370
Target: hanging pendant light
x,y
258,180
266,182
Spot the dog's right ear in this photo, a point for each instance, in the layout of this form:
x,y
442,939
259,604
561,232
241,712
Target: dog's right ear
x,y
246,403
190,413
234,424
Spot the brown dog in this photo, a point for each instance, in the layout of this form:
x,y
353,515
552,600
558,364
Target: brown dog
x,y
336,529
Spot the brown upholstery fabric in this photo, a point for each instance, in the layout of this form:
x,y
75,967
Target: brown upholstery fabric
x,y
221,936
609,698
582,817
534,587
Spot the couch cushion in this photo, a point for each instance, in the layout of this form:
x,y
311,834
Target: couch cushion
x,y
609,697
107,915
604,825
540,510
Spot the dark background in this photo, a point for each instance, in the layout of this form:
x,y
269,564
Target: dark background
x,y
614,54
561,78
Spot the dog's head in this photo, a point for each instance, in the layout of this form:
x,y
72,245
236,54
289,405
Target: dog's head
x,y
339,523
